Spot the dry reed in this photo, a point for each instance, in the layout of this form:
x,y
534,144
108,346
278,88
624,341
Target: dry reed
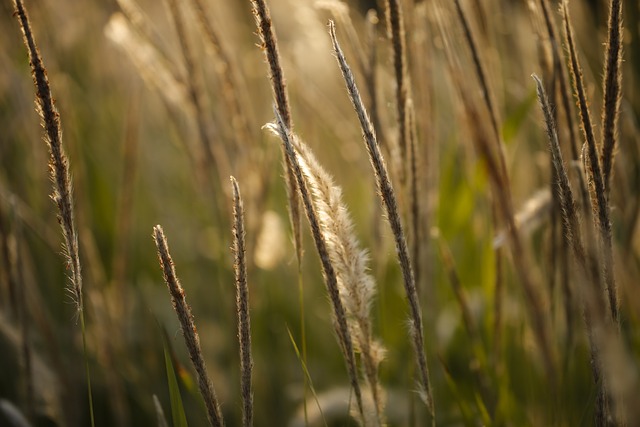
x,y
331,279
396,33
228,74
388,197
612,91
503,206
276,75
479,68
414,201
596,183
356,286
213,155
58,164
593,305
242,305
189,332
60,175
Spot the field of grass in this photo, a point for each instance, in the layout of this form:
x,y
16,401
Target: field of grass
x,y
432,217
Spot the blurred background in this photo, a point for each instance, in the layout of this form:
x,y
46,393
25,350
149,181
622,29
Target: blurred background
x,y
141,153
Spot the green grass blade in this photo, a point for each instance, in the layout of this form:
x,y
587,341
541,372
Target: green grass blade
x,y
177,408
307,375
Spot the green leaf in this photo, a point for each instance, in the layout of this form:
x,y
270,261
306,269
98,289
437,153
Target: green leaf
x,y
177,408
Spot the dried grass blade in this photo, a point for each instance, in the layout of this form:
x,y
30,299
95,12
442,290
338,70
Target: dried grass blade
x,y
242,306
388,197
396,31
596,183
60,175
341,326
189,332
612,91
278,86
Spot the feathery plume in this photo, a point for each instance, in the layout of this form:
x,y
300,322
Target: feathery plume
x,y
356,286
329,270
58,164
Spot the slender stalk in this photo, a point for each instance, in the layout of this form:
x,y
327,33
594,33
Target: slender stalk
x,y
395,26
331,280
596,182
612,91
388,196
59,169
189,332
212,157
593,303
278,86
242,304
479,68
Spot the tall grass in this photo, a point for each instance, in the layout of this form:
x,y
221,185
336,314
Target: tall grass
x,y
440,242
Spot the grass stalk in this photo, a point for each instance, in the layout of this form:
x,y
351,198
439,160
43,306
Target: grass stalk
x,y
596,182
356,286
594,305
501,190
189,332
242,304
388,197
331,279
479,69
60,176
276,75
212,157
612,91
396,32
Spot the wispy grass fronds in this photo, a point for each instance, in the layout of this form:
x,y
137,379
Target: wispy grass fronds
x,y
388,197
229,75
357,287
596,182
276,75
329,270
588,264
612,91
189,332
59,169
561,76
371,74
519,255
153,67
479,67
340,11
58,164
396,33
567,200
242,305
504,207
611,363
212,155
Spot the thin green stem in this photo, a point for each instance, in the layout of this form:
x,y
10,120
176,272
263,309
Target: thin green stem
x,y
86,367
